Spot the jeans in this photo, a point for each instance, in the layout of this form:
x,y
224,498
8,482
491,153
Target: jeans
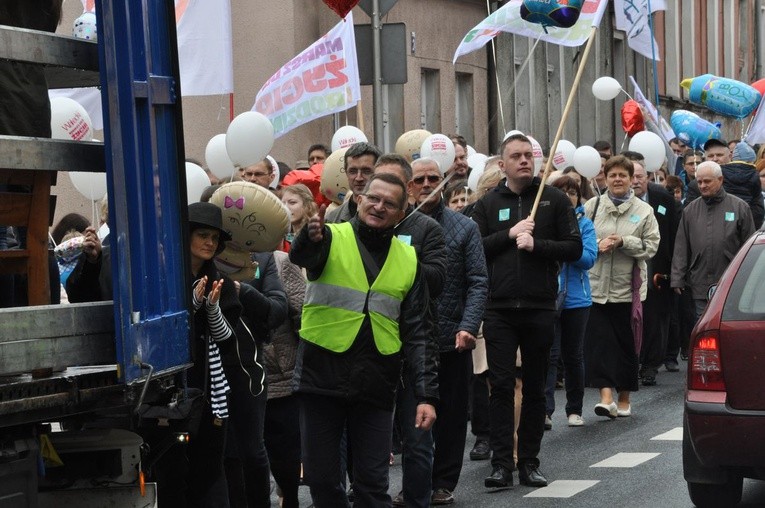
x,y
505,330
569,340
417,451
322,421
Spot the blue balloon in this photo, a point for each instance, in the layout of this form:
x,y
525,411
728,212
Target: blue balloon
x,y
722,95
693,130
561,14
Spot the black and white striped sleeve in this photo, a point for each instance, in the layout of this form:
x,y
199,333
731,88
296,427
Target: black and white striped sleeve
x,y
218,326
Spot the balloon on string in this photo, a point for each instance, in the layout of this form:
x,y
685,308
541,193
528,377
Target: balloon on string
x,y
440,148
346,136
562,14
651,146
722,95
477,160
409,143
249,138
606,88
632,118
474,176
69,120
334,180
564,155
196,182
587,161
275,168
512,133
759,85
90,185
217,157
470,151
538,154
693,130
84,27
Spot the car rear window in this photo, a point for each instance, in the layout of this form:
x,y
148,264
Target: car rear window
x,y
746,299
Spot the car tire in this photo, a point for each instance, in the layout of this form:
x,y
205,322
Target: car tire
x,y
710,495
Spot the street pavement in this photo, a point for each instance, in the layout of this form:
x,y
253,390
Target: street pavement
x,y
627,462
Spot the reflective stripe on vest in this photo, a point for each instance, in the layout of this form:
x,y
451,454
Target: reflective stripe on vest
x,y
333,311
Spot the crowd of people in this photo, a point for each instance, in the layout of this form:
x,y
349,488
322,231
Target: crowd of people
x,y
388,322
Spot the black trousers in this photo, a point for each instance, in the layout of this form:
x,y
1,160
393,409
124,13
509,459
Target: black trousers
x,y
322,421
505,330
657,310
282,436
450,429
479,406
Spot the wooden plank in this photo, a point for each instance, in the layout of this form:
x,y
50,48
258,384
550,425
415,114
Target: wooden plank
x,y
18,152
14,208
56,321
13,177
38,277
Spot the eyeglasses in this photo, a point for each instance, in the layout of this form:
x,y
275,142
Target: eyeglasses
x,y
376,200
364,171
431,179
256,175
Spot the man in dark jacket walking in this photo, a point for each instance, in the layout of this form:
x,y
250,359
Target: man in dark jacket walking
x,y
522,257
363,309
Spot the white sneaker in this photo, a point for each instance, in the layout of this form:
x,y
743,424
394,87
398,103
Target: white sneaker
x,y
575,420
609,410
624,413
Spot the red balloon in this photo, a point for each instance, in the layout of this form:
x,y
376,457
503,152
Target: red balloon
x,y
311,178
759,86
632,118
341,7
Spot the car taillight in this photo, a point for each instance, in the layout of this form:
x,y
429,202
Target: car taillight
x,y
704,365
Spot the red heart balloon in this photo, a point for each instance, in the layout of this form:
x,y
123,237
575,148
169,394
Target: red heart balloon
x,y
632,118
341,7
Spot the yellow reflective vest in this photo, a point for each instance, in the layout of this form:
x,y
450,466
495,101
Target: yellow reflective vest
x,y
335,303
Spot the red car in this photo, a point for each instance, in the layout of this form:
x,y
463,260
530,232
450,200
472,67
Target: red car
x,y
724,419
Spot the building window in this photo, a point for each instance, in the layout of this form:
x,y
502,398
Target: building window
x,y
430,109
464,106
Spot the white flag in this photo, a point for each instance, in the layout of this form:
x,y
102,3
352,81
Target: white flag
x,y
756,132
632,17
322,80
508,19
653,113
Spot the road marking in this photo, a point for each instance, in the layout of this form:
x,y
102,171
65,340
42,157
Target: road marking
x,y
563,488
626,460
675,434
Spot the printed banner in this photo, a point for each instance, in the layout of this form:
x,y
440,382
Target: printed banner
x,y
320,81
632,17
666,131
508,19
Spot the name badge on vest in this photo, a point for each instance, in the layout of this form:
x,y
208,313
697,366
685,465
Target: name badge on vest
x,y
504,214
661,210
407,239
257,272
634,218
730,216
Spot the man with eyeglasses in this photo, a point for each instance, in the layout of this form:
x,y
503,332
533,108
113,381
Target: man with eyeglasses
x,y
359,164
261,173
362,316
523,256
433,478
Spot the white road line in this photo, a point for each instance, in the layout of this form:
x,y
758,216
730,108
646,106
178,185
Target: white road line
x,y
626,460
563,488
675,434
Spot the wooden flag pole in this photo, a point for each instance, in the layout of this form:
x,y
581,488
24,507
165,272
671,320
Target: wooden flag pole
x,y
571,95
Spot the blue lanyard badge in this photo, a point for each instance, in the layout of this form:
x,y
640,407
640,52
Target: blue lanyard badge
x,y
634,218
407,239
661,210
257,272
504,214
730,216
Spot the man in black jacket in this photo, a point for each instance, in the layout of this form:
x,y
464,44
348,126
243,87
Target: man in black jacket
x,y
522,256
349,358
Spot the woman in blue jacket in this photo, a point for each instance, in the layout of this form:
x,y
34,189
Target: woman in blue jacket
x,y
569,334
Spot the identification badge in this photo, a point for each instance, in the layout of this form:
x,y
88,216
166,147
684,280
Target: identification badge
x,y
634,218
730,216
407,239
661,210
504,214
257,272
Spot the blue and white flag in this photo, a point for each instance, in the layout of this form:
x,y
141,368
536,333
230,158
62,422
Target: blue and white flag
x,y
632,17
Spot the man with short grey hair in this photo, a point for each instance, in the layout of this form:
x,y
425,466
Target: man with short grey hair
x,y
711,231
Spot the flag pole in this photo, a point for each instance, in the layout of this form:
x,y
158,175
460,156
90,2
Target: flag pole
x,y
564,117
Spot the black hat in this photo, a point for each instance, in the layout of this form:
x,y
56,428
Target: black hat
x,y
207,215
715,142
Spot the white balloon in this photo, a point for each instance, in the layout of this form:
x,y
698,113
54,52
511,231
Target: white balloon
x,y
587,161
90,185
474,176
346,136
217,158
275,181
476,161
85,27
249,138
539,156
196,182
439,148
606,88
651,146
470,151
564,155
512,133
69,120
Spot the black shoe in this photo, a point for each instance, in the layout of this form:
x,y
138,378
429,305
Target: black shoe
x,y
481,450
529,474
649,381
351,495
500,478
684,356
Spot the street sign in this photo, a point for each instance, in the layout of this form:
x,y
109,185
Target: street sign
x,y
385,6
393,53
